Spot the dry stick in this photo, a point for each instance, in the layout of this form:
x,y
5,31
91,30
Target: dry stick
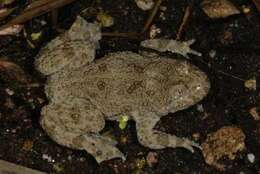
x,y
257,4
129,35
29,7
152,15
184,22
37,4
54,18
34,12
7,167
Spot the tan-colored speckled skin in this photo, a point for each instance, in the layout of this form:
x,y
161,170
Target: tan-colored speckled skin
x,y
83,93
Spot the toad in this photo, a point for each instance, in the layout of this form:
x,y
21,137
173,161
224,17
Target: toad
x,y
84,92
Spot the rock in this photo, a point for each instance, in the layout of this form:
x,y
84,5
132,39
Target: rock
x,y
225,142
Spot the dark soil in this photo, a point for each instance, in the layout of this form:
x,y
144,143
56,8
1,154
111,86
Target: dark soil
x,y
22,141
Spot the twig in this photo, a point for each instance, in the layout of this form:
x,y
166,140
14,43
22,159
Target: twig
x,y
129,35
222,72
7,167
54,18
184,22
257,4
36,11
152,15
37,4
229,75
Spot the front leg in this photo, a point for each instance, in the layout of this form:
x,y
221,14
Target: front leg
x,y
174,46
147,136
73,49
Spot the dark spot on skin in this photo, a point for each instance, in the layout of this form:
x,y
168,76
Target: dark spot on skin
x,y
69,52
102,67
134,86
101,85
150,93
137,68
77,141
127,108
75,118
99,153
92,94
85,56
120,92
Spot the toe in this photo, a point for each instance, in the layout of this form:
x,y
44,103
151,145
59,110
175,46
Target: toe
x,y
111,155
188,144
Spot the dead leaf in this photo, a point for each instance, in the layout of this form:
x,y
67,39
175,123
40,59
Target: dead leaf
x,y
9,71
27,145
13,30
219,8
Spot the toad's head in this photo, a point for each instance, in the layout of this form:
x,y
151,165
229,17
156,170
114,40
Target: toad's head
x,y
189,87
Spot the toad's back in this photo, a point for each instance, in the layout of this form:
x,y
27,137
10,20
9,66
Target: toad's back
x,y
119,83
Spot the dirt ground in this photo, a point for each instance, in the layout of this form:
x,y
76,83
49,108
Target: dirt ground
x,y
235,41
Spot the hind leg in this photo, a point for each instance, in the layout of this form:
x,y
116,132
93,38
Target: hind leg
x,y
147,136
76,124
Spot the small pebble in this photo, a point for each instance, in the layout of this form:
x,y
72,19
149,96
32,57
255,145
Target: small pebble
x,y
253,112
162,16
163,8
246,9
9,91
69,157
145,4
212,53
251,157
82,159
200,108
250,84
47,157
154,31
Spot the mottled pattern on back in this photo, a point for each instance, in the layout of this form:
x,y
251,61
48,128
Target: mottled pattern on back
x,y
83,92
